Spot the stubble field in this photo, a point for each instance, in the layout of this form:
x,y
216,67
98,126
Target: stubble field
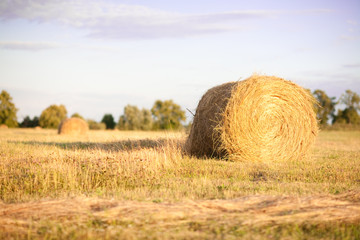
x,y
140,185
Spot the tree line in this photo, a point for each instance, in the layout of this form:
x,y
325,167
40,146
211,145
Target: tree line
x,y
164,115
169,115
326,108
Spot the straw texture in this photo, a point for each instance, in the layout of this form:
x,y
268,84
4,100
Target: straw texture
x,y
73,126
260,118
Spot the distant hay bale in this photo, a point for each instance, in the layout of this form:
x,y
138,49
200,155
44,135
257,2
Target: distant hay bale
x,y
3,126
260,118
73,126
37,128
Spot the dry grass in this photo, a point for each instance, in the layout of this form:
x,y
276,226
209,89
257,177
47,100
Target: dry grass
x,y
252,211
131,185
258,119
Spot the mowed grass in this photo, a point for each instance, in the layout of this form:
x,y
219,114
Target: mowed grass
x,y
131,185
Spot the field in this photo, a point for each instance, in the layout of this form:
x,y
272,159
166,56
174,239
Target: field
x,y
140,185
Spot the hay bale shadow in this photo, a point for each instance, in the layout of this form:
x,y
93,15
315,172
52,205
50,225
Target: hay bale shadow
x,y
113,146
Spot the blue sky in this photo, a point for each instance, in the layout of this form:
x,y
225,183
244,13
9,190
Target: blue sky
x,y
97,56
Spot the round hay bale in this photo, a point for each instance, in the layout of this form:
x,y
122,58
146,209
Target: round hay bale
x,y
3,126
73,126
260,118
37,128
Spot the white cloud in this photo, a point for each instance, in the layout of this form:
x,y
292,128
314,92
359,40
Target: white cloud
x,y
112,20
353,22
28,46
351,66
107,20
350,37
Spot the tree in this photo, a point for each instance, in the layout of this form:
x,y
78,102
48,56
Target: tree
x,y
147,120
7,110
350,114
28,123
135,119
122,123
351,100
77,115
167,115
131,120
52,116
108,119
96,125
325,107
347,116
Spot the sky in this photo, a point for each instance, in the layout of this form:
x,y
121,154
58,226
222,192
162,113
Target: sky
x,y
97,56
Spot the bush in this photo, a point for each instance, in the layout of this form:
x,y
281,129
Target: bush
x,y
93,125
29,123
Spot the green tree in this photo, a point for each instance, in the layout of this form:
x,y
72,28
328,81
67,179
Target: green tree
x,y
135,119
351,100
325,107
347,116
131,120
146,120
167,115
52,116
7,110
122,123
96,125
350,114
108,119
29,123
77,115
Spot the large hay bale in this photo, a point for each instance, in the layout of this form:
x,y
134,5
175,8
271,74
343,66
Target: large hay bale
x,y
3,126
73,126
260,118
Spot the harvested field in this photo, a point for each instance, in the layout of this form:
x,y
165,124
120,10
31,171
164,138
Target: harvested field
x,y
140,185
250,211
